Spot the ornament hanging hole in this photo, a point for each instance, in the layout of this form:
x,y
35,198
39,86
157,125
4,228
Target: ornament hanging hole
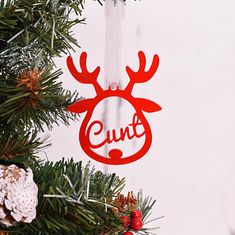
x,y
113,86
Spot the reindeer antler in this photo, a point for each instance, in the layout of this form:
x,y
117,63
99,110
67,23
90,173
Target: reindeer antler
x,y
141,75
84,76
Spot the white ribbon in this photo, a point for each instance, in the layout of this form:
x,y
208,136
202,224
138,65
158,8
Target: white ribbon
x,y
113,11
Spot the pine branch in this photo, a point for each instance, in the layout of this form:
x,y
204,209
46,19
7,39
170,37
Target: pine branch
x,y
19,147
35,99
145,205
45,23
32,32
16,59
77,201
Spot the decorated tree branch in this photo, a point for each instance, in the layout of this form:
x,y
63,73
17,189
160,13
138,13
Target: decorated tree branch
x,y
42,197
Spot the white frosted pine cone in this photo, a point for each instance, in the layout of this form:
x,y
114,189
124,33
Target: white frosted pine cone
x,y
18,195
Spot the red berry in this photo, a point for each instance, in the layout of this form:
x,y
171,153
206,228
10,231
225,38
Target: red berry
x,y
136,224
125,220
136,214
128,233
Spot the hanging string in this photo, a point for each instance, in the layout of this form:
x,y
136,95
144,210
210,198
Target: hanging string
x,y
113,14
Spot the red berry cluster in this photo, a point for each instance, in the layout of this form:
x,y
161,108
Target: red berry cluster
x,y
135,223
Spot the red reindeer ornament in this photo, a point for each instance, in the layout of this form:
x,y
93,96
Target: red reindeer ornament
x,y
139,126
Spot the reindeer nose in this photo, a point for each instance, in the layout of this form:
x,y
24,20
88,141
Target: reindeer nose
x,y
115,154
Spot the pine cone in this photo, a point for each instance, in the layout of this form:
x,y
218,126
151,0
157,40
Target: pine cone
x,y
125,203
18,195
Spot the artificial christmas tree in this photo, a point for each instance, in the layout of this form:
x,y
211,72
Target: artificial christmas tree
x,y
70,198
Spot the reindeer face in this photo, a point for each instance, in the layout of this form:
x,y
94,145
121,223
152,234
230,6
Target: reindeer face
x,y
138,126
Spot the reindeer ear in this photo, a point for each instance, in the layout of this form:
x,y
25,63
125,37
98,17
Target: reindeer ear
x,y
147,105
81,106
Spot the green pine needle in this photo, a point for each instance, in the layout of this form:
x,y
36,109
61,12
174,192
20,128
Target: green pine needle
x,y
45,106
57,215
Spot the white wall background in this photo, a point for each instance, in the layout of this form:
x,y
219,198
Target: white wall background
x,y
190,168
